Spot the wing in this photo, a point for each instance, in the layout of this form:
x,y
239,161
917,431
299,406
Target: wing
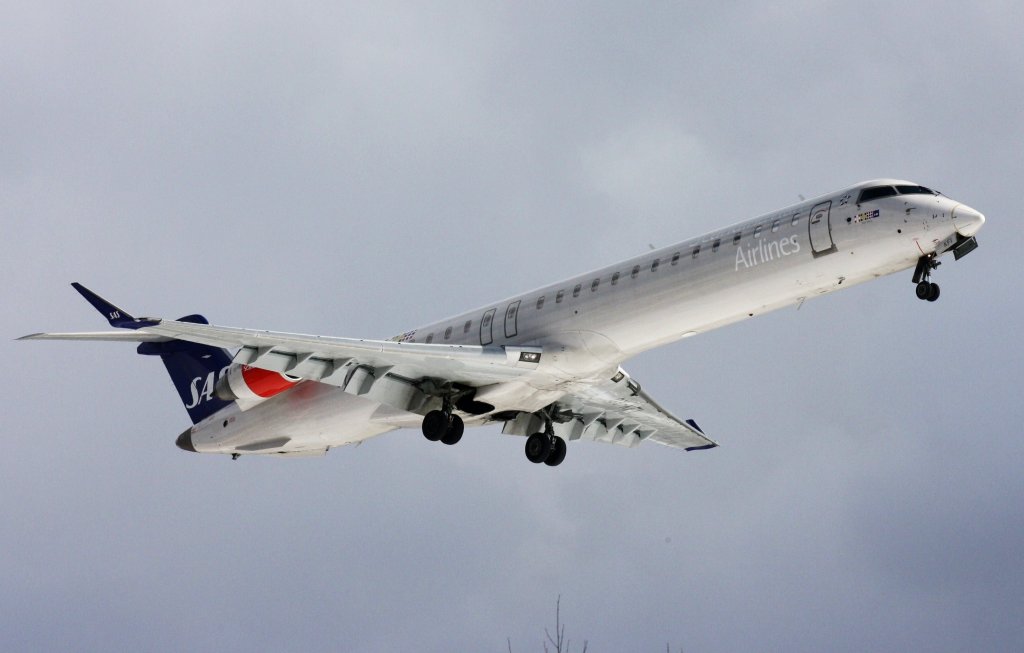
x,y
617,411
329,359
107,336
631,416
614,410
325,359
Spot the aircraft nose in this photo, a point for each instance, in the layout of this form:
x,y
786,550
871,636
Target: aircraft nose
x,y
966,220
184,441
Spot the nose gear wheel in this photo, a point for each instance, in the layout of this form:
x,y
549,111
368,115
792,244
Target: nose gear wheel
x,y
925,289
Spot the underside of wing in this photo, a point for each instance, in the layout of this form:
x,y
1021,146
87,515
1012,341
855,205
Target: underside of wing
x,y
617,411
102,336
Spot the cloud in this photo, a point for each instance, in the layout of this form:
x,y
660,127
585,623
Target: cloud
x,y
361,170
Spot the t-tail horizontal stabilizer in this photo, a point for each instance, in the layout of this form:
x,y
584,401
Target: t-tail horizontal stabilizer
x,y
117,317
194,368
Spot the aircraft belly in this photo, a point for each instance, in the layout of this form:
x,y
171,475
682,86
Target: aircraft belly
x,y
521,395
574,354
309,416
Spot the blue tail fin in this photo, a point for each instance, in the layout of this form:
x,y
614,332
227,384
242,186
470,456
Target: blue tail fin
x,y
194,369
117,317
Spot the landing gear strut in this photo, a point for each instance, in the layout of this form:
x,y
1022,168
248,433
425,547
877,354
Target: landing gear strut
x,y
925,289
443,425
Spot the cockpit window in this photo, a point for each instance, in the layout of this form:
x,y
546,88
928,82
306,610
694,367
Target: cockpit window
x,y
914,190
878,192
875,193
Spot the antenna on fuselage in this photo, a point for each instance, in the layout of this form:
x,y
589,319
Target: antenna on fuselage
x,y
802,198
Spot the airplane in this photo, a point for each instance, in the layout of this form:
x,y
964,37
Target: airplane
x,y
544,364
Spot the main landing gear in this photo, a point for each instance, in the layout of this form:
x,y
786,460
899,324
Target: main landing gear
x,y
925,289
443,425
546,447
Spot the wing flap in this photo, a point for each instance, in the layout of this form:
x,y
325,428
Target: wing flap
x,y
617,411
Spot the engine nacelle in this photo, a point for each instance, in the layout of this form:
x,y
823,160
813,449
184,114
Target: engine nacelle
x,y
250,385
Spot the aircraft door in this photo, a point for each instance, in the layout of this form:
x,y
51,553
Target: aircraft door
x,y
820,229
512,320
487,327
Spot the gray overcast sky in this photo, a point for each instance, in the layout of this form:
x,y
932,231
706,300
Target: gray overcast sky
x,y
358,171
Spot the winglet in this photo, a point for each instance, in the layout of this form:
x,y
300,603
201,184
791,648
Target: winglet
x,y
117,317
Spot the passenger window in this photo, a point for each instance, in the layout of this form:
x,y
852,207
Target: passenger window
x,y
559,296
540,302
466,326
593,286
675,258
576,290
487,320
655,264
714,245
430,338
447,333
696,251
615,278
796,219
775,226
736,238
757,231
636,271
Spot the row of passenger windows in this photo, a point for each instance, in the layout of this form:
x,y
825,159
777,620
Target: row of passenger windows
x,y
656,263
633,274
448,332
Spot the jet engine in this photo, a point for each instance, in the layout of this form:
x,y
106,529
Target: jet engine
x,y
251,385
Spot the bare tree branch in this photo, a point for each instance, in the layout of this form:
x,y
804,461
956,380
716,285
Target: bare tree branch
x,y
558,639
559,629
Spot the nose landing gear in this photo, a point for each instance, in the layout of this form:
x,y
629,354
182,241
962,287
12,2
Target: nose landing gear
x,y
925,289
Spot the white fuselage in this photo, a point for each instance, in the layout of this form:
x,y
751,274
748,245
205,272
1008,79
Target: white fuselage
x,y
589,324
